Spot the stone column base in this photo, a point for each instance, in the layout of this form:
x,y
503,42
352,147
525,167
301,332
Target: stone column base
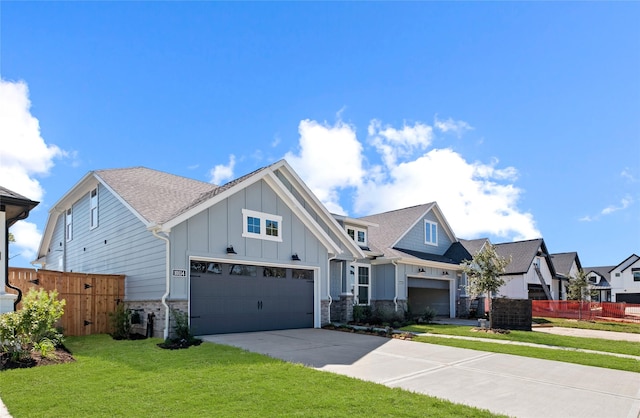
x,y
6,302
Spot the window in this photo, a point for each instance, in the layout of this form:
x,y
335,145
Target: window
x,y
261,225
302,274
69,225
359,235
636,275
277,272
93,211
592,279
362,284
243,270
430,233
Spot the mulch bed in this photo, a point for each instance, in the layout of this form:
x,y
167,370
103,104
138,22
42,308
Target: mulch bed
x,y
177,344
60,356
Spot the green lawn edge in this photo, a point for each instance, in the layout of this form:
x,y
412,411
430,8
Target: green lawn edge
x,y
630,327
595,344
567,356
136,378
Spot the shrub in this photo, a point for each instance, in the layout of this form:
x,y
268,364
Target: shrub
x,y
429,314
181,326
361,313
121,322
33,326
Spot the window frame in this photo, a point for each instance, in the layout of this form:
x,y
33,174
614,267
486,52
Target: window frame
x,y
356,231
357,285
68,224
635,274
428,226
263,219
93,208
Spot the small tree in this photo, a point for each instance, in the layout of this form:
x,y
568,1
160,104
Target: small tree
x,y
579,289
484,273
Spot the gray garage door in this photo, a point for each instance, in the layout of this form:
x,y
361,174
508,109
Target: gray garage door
x,y
628,297
431,293
229,298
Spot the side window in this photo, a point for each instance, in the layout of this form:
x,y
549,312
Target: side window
x,y
362,283
430,233
69,225
359,235
261,225
93,211
636,274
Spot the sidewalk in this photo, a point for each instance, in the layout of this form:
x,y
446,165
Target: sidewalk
x,y
3,411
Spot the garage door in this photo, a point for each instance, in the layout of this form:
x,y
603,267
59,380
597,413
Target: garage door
x,y
628,297
228,298
431,293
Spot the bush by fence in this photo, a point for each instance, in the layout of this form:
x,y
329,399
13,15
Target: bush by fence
x,y
89,297
573,309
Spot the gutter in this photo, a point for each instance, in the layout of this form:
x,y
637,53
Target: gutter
x,y
23,215
163,237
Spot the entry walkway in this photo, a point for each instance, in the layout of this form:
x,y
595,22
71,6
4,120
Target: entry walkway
x,y
502,383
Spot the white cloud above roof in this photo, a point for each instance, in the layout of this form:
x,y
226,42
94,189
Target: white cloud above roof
x,y
477,198
221,173
24,155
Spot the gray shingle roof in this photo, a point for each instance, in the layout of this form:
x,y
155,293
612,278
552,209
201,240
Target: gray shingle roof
x,y
563,262
602,271
157,196
393,224
464,249
521,253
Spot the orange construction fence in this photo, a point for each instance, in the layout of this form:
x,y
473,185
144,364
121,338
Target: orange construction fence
x,y
573,309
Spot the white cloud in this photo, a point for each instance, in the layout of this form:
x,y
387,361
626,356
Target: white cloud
x,y
393,144
222,173
627,174
27,238
23,152
624,203
329,160
477,198
457,127
24,155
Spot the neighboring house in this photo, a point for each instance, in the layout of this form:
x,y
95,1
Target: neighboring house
x,y
599,282
531,274
257,253
625,280
567,265
408,266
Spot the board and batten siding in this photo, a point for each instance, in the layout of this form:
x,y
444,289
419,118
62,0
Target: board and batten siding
x,y
415,238
208,234
383,282
55,253
120,244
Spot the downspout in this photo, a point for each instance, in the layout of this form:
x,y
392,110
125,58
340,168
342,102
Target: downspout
x,y
395,276
20,217
154,231
329,286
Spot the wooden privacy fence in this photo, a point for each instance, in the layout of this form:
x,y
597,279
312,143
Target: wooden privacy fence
x,y
89,297
574,309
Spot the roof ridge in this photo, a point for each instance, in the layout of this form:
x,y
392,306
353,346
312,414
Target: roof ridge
x,y
398,210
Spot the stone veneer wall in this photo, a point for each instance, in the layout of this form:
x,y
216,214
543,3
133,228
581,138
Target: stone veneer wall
x,y
342,309
389,306
155,307
324,312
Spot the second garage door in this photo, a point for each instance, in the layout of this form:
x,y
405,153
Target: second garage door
x,y
430,293
229,298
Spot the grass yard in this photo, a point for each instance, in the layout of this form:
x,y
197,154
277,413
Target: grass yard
x,y
599,360
597,325
136,378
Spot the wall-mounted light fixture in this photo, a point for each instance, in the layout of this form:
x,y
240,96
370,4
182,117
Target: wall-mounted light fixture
x,y
230,250
420,270
445,273
295,257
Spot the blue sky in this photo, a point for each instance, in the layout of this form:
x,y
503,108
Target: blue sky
x,y
520,119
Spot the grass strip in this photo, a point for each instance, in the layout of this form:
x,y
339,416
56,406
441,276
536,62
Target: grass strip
x,y
576,357
136,378
596,325
596,344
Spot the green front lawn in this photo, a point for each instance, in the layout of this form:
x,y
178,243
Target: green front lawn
x,y
597,325
136,378
597,344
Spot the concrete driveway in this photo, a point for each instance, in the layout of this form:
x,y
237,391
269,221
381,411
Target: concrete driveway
x,y
512,385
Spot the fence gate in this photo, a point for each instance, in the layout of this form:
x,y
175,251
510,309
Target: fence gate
x,y
89,297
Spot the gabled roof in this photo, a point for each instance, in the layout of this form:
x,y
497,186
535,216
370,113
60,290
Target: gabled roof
x,y
563,262
465,249
155,195
522,254
162,200
393,225
626,263
603,271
